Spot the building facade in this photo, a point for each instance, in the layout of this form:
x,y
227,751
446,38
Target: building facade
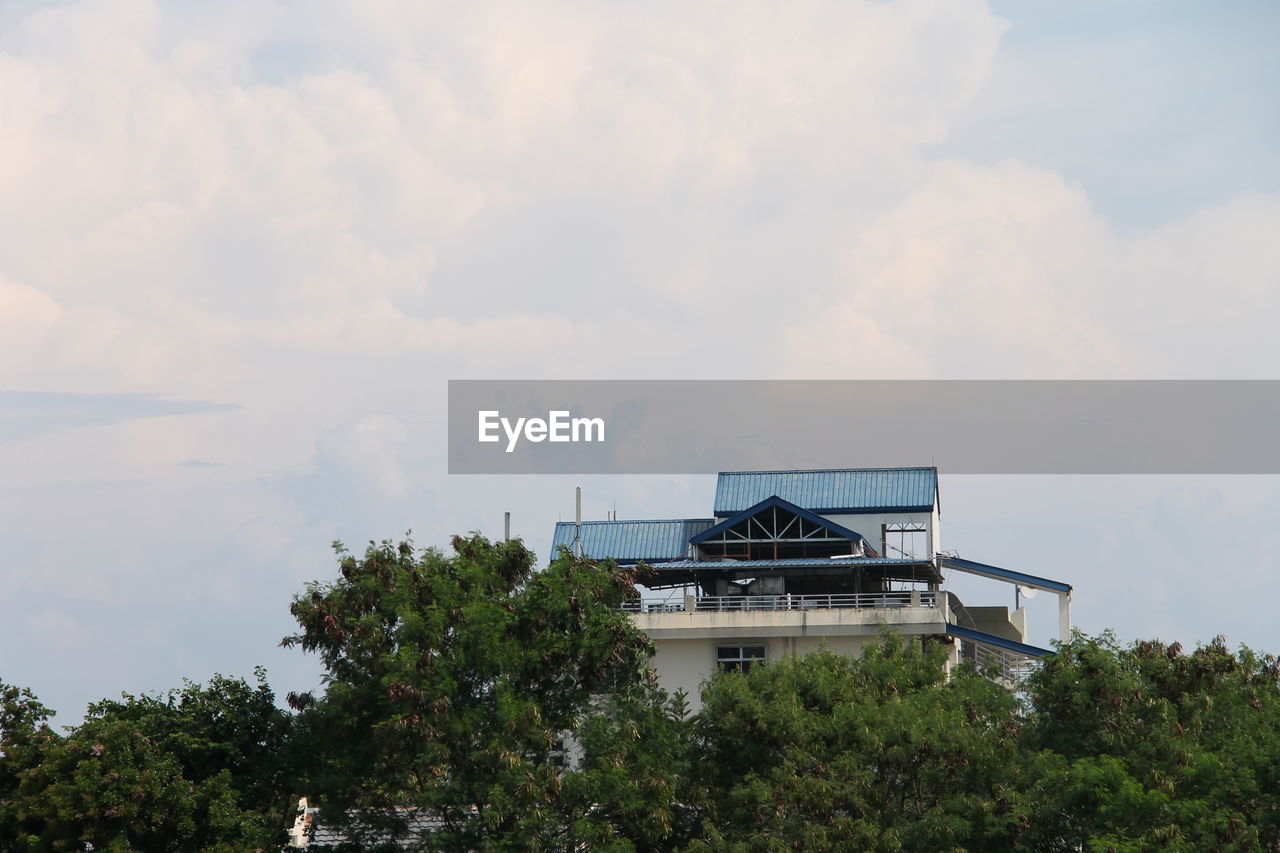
x,y
792,561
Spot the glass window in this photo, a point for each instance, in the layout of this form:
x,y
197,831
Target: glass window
x,y
739,658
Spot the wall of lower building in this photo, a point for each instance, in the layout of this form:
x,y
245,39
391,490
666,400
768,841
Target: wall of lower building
x,y
686,664
1000,622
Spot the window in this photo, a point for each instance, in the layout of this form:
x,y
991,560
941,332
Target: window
x,y
738,658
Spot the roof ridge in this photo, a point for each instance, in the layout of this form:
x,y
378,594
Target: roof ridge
x,y
639,520
933,468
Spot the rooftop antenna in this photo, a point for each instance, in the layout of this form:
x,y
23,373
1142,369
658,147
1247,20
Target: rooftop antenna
x,y
1020,592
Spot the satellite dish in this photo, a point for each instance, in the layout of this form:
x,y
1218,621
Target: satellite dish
x,y
1027,592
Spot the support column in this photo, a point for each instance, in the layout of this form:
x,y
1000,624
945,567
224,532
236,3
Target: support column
x,y
1064,617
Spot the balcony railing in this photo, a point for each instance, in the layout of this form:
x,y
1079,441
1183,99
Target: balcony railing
x,y
737,603
1009,667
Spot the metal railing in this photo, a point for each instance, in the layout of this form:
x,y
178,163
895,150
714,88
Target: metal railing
x,y
843,601
653,607
846,601
1009,667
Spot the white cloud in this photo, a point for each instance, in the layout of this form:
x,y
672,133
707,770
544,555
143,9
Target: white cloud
x,y
368,452
26,316
1008,272
181,208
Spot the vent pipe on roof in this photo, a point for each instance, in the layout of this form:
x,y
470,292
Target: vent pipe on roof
x,y
506,526
577,523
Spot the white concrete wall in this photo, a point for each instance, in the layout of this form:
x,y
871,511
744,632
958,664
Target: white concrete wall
x,y
870,525
687,664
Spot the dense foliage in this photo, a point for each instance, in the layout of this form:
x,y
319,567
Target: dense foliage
x,y
513,709
452,681
201,768
829,752
1146,748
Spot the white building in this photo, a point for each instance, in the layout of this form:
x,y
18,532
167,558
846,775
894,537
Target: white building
x,y
792,561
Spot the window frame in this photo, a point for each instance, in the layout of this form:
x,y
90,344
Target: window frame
x,y
742,660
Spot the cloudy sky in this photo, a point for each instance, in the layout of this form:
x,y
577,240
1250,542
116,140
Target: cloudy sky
x,y
243,245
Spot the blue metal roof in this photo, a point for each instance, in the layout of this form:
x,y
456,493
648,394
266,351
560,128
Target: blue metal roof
x,y
1009,575
832,490
632,541
999,642
769,503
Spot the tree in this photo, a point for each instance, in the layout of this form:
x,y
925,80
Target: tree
x,y
1145,748
24,728
196,769
449,682
830,752
633,788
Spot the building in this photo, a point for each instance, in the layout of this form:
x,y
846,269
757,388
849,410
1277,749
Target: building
x,y
791,561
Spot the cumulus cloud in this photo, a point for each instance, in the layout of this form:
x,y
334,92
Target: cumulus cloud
x,y
192,188
1008,272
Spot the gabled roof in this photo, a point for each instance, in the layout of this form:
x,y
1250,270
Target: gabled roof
x,y
769,503
632,541
836,490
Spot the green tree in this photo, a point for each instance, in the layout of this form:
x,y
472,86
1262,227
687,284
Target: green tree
x,y
24,729
449,682
1148,748
226,725
830,752
200,768
633,788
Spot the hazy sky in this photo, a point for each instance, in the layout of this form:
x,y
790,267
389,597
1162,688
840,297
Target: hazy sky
x,y
243,245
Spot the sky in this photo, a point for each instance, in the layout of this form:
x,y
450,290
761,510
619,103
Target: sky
x,y
245,245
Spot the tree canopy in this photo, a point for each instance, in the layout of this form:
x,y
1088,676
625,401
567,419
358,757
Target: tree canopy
x,y
1147,747
453,682
200,768
879,753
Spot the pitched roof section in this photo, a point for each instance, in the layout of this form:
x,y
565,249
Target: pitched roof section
x,y
831,490
997,573
632,541
999,642
775,501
